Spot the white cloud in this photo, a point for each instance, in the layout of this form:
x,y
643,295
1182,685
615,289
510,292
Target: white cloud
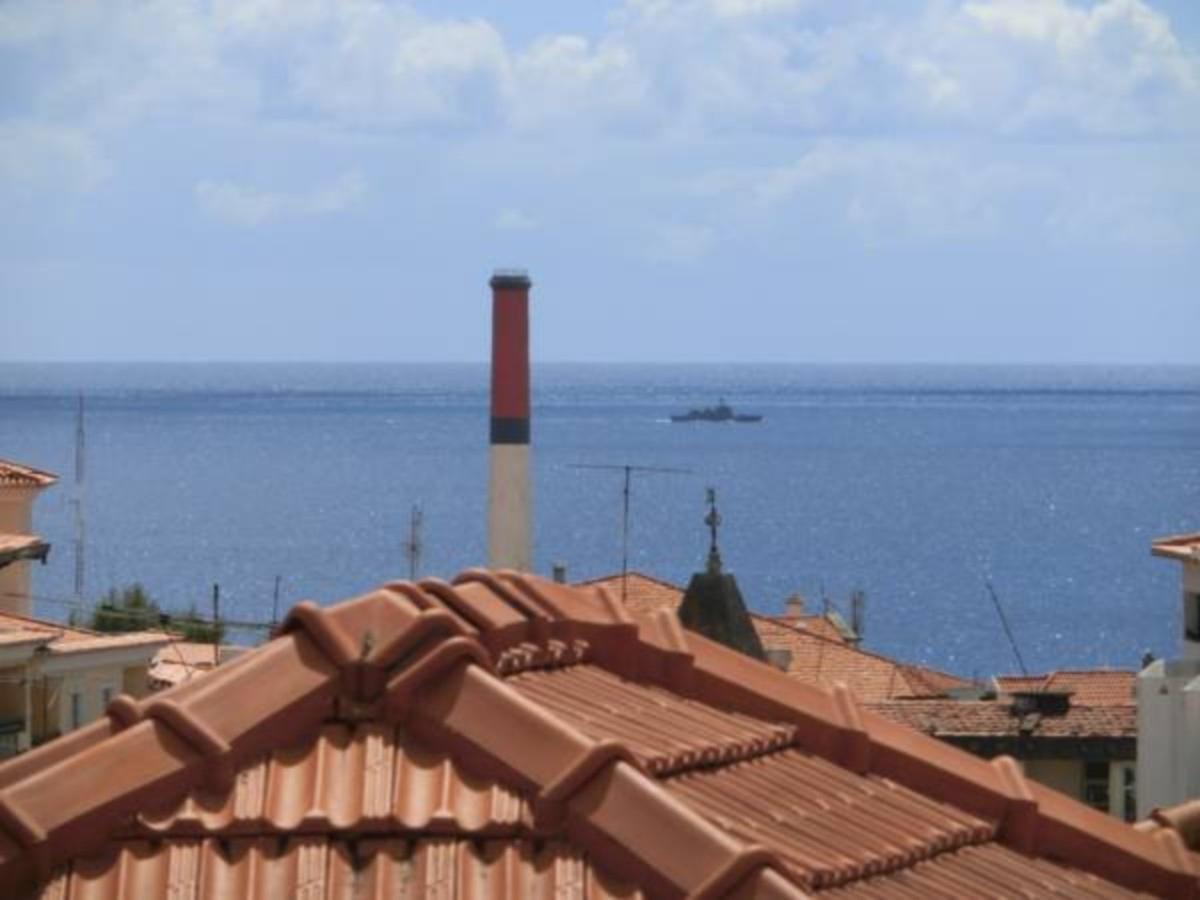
x,y
676,242
707,66
512,219
247,206
35,156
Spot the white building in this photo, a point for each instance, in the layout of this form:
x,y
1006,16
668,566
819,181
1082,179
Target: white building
x,y
1168,696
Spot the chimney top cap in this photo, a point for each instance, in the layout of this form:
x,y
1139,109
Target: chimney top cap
x,y
510,278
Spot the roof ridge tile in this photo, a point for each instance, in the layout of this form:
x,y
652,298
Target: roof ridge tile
x,y
1018,827
551,802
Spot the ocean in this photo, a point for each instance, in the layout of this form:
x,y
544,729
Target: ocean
x,y
918,485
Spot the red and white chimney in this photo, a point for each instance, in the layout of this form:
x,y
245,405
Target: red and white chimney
x,y
510,517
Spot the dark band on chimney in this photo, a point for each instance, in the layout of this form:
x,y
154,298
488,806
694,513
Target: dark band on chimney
x,y
509,430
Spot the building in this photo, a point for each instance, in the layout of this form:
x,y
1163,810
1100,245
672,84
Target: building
x,y
512,737
1168,696
1084,743
180,661
812,648
1075,731
56,678
20,486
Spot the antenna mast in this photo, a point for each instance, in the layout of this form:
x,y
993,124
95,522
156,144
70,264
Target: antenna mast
x,y
1004,621
628,470
77,500
413,546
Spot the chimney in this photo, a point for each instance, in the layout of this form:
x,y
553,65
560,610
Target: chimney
x,y
793,606
559,572
779,657
509,511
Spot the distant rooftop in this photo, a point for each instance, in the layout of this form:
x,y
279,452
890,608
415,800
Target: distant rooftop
x,y
1184,547
15,474
21,546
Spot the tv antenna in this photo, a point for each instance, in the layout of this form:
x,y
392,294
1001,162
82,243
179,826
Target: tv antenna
x,y
628,470
414,545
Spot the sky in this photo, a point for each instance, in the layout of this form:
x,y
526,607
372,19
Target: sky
x,y
948,181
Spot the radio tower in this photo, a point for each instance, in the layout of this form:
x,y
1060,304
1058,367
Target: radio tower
x,y
77,501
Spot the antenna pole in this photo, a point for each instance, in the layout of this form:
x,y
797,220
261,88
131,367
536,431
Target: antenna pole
x,y
1004,621
77,501
216,609
275,604
626,494
413,546
625,536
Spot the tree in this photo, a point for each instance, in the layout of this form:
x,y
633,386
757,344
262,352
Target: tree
x,y
132,609
129,609
194,628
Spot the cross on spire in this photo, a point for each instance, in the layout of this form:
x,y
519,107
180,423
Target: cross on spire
x,y
713,521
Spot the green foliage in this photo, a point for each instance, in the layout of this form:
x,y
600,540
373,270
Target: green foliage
x,y
129,609
195,628
132,609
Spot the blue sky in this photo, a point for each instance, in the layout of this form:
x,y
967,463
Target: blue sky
x,y
686,180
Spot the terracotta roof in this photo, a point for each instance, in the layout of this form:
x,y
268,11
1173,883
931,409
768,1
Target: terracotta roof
x,y
1183,819
71,639
819,625
512,737
14,474
21,546
181,661
1184,547
994,718
871,677
645,595
1087,687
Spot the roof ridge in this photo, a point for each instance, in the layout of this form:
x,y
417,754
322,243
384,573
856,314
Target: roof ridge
x,y
434,678
433,671
637,573
1031,818
21,472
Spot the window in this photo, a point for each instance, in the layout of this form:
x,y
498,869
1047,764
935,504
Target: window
x,y
1129,792
76,709
106,695
1095,785
1191,616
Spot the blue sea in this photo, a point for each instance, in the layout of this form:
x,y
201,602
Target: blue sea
x,y
917,485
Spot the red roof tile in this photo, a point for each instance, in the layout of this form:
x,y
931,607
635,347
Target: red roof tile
x,y
871,677
508,736
994,718
643,594
1088,687
181,661
646,595
14,474
313,867
70,639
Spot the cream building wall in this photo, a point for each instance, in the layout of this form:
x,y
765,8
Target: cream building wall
x,y
16,517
